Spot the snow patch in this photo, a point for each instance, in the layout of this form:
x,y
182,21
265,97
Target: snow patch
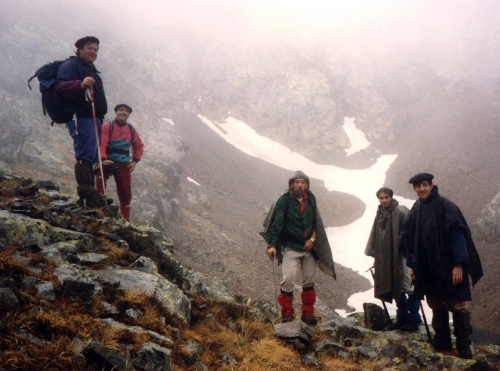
x,y
356,136
170,121
348,242
193,181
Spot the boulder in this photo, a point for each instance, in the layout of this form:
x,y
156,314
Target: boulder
x,y
8,300
168,294
107,359
152,357
375,317
293,330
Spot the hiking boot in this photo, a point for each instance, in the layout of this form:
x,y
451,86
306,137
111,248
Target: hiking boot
x,y
96,200
410,327
463,329
286,319
310,320
441,345
396,325
465,353
441,326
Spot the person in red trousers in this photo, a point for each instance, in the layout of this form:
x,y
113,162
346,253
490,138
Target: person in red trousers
x,y
121,149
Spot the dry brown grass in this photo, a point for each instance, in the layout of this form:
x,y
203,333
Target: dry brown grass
x,y
253,343
57,324
43,199
118,255
9,266
8,183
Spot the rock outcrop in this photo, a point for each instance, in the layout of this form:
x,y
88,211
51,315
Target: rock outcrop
x,y
84,289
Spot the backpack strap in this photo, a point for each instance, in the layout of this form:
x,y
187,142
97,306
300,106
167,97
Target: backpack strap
x,y
112,127
132,132
29,86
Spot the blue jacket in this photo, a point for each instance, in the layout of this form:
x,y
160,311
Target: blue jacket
x,y
69,78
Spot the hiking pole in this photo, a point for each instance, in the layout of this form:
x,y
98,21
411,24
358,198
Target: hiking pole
x,y
383,302
429,338
275,297
90,93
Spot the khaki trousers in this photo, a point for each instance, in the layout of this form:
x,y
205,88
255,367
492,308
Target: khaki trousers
x,y
293,261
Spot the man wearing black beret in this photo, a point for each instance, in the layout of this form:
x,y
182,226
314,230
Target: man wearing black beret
x,y
441,255
76,76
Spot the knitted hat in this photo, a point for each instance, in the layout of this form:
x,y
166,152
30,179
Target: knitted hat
x,y
298,175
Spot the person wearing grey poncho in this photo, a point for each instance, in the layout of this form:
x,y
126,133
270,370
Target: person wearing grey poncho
x,y
295,234
392,278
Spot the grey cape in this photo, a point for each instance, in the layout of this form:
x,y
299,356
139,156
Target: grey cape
x,y
391,273
321,250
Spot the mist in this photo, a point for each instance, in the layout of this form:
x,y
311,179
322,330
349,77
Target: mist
x,y
419,79
457,39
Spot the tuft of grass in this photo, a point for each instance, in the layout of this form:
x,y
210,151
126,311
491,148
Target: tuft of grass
x,y
8,183
9,266
42,199
117,255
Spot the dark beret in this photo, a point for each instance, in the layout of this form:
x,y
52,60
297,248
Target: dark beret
x,y
80,43
421,177
118,106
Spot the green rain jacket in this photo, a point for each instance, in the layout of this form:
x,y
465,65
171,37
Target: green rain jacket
x,y
321,250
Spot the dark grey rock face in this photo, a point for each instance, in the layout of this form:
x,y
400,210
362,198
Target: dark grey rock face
x,y
8,300
152,357
375,317
107,359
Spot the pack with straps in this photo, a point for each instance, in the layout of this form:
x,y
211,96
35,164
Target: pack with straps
x,y
52,102
119,149
112,127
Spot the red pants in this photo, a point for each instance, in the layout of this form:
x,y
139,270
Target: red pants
x,y
123,180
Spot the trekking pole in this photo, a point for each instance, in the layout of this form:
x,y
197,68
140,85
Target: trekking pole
x,y
383,302
275,296
90,93
429,338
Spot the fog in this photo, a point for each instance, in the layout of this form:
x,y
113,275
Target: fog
x,y
458,39
419,77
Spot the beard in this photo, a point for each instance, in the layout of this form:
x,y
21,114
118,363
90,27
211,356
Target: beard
x,y
299,193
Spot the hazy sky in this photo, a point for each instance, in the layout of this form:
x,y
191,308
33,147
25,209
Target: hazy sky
x,y
458,37
462,35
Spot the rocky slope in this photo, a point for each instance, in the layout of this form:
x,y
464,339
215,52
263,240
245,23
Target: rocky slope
x,y
295,91
82,289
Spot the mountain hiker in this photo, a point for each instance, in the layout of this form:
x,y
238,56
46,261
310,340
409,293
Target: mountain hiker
x,y
441,255
75,76
392,278
295,234
121,149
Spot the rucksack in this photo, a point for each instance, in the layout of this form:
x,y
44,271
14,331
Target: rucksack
x,y
52,102
112,127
